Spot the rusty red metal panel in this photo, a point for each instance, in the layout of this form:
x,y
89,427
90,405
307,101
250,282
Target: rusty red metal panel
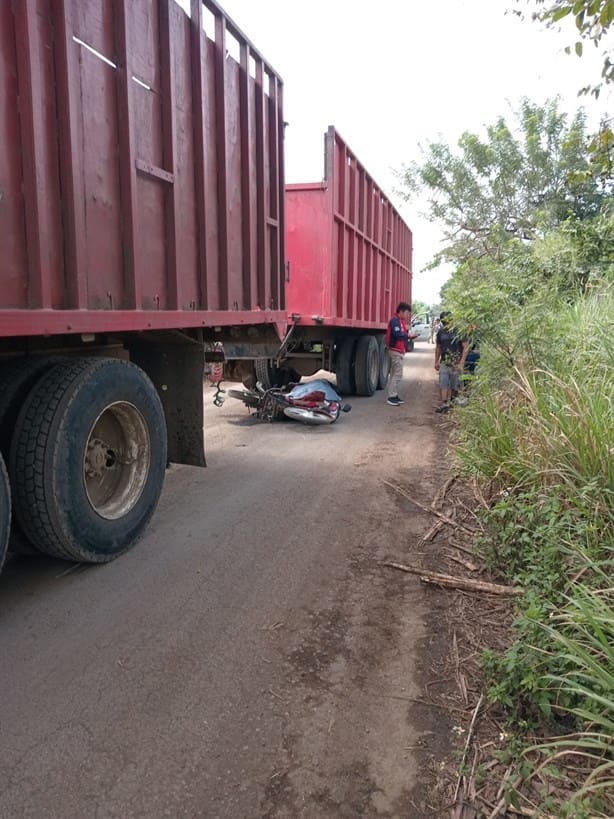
x,y
54,322
366,269
70,139
128,284
309,242
281,215
260,182
198,88
274,220
245,116
12,235
222,158
169,34
29,72
168,153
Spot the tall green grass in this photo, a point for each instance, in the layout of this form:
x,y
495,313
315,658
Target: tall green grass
x,y
582,635
539,433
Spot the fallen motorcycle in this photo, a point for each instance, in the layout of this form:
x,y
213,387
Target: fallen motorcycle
x,y
314,403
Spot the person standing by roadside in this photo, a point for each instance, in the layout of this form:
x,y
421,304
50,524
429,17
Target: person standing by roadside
x,y
397,336
450,356
433,330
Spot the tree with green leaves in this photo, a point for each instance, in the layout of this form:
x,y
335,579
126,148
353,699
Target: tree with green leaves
x,y
592,18
593,23
419,308
517,182
526,223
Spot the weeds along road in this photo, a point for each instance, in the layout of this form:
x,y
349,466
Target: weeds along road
x,y
250,657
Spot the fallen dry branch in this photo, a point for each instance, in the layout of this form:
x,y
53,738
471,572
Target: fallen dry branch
x,y
467,564
442,492
461,548
436,527
478,494
448,581
469,511
428,509
466,748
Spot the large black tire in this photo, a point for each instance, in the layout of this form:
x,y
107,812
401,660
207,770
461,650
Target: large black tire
x,y
264,373
5,511
384,363
367,361
271,376
345,366
17,377
88,458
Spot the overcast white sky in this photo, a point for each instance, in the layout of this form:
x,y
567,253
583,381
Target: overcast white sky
x,y
392,74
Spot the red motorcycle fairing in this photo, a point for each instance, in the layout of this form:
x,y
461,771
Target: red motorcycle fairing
x,y
312,403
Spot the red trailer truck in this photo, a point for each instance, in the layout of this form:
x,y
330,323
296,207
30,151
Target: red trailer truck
x,y
142,226
141,222
348,266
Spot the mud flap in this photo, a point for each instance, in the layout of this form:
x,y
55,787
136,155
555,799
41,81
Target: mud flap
x,y
176,369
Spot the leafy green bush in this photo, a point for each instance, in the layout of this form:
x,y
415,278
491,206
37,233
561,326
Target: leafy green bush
x,y
539,433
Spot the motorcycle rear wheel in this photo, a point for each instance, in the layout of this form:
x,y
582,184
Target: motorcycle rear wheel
x,y
250,399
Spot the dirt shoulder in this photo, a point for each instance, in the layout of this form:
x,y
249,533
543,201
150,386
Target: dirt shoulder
x,y
374,698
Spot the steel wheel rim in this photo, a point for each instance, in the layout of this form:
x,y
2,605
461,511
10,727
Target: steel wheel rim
x,y
116,460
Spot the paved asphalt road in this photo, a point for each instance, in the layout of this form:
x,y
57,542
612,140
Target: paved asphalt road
x,y
250,657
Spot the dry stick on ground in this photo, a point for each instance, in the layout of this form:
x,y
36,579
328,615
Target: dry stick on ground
x,y
511,808
466,748
468,510
450,582
436,527
442,492
460,547
528,812
471,567
478,494
470,786
424,508
460,679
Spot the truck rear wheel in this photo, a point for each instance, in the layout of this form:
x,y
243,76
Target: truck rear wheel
x,y
5,511
17,377
367,365
384,363
88,459
345,366
271,376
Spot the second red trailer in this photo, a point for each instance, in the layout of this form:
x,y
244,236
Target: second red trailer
x,y
349,257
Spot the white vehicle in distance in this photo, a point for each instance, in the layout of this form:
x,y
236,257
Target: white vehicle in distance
x,y
422,329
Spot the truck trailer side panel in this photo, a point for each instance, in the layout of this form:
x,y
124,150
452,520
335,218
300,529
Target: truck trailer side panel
x,y
141,169
349,251
141,226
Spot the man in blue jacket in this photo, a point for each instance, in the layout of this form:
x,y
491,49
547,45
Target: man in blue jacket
x,y
450,356
397,336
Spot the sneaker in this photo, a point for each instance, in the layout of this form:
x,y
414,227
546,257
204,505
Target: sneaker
x,y
395,401
443,408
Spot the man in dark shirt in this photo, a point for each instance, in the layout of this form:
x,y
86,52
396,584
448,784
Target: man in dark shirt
x,y
397,336
450,355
